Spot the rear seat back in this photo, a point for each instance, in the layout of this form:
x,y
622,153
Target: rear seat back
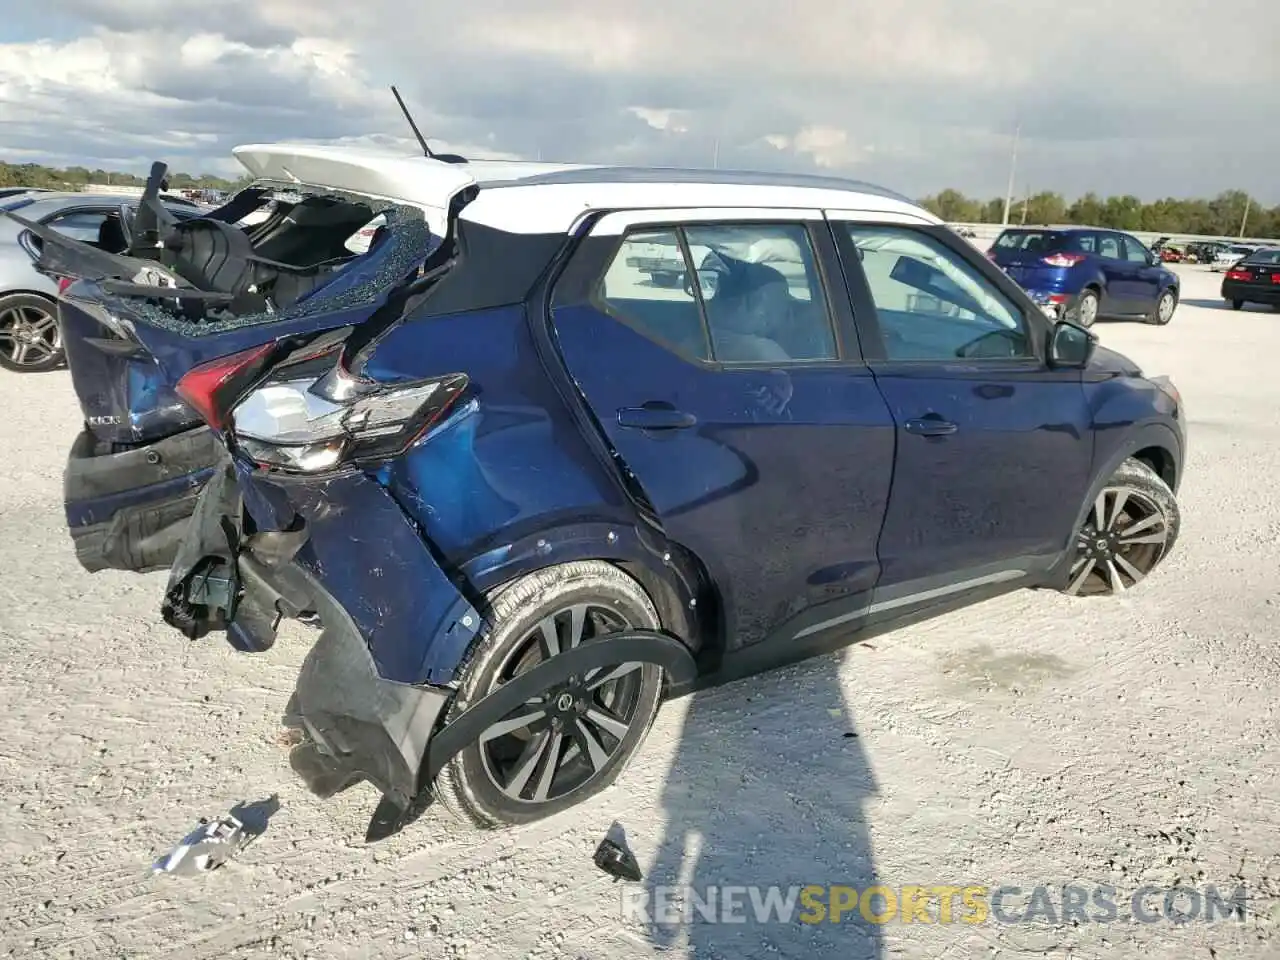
x,y
213,255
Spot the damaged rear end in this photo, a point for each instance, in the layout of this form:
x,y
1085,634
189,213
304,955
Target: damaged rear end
x,y
349,490
243,331
275,262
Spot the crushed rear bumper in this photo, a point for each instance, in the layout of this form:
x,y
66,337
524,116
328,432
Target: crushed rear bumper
x,y
373,690
129,510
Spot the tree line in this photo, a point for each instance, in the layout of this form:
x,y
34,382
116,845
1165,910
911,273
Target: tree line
x,y
75,178
1222,216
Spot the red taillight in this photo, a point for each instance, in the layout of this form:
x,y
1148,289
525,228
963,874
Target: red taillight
x,y
1239,275
1275,278
1062,259
63,283
212,388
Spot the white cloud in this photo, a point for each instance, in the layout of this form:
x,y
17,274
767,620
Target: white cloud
x,y
673,121
934,85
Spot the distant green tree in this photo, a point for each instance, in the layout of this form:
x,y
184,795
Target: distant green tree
x,y
74,178
1219,216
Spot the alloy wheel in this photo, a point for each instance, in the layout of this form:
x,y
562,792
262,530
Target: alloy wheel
x,y
1123,538
1164,310
29,336
565,737
1088,310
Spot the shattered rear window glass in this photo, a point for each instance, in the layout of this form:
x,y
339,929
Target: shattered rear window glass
x,y
362,282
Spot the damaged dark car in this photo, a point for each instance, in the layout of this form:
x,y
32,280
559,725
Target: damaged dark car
x,y
525,494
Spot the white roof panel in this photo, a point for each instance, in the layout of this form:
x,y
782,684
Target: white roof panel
x,y
526,197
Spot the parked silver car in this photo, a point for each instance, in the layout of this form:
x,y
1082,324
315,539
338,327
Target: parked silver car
x,y
29,337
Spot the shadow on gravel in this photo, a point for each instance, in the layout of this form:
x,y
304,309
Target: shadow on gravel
x,y
767,791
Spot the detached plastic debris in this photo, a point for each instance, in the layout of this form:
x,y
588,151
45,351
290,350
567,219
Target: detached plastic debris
x,y
213,843
615,858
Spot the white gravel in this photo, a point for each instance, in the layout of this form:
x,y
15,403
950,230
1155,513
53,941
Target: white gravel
x,y
1032,739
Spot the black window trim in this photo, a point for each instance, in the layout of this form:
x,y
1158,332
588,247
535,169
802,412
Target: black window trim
x,y
816,233
106,211
867,316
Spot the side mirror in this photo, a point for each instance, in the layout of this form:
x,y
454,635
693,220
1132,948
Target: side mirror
x,y
1070,345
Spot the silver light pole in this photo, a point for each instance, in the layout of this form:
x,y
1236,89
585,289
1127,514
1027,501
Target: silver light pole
x,y
1013,173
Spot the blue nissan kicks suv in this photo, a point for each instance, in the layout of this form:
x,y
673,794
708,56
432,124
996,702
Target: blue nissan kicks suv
x,y
526,493
1084,274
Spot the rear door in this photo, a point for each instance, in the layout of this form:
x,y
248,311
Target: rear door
x,y
739,405
994,448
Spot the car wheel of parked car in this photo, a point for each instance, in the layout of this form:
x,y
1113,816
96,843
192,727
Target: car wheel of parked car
x,y
1086,309
1130,527
1237,304
29,337
575,739
1164,308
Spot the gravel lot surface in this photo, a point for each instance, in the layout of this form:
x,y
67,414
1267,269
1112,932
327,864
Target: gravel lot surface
x,y
1034,739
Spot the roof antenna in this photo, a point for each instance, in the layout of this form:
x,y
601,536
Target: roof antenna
x,y
422,141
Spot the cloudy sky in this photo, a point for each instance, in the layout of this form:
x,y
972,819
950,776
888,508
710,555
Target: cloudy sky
x,y
1153,97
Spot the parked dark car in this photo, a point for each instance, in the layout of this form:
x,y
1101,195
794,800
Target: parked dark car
x,y
1085,274
526,494
1255,279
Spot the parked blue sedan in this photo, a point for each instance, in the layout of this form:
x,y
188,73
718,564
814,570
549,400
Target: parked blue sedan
x,y
1082,274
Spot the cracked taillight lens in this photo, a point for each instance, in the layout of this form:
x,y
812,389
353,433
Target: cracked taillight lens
x,y
285,425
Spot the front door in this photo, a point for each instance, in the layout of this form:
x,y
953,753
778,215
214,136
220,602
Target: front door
x,y
1120,298
736,399
1146,276
994,448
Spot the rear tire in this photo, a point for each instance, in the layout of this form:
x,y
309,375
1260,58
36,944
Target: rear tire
x,y
1237,304
1085,311
1127,532
505,780
30,340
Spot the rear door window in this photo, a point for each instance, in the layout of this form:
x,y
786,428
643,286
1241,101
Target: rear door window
x,y
725,292
1082,243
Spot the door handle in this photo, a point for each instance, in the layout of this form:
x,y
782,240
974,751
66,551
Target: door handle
x,y
655,416
932,426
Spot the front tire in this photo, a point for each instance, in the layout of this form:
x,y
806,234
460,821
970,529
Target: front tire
x,y
1164,308
578,737
1127,532
30,340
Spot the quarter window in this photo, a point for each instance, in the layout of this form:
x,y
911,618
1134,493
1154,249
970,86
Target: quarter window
x,y
931,303
753,295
